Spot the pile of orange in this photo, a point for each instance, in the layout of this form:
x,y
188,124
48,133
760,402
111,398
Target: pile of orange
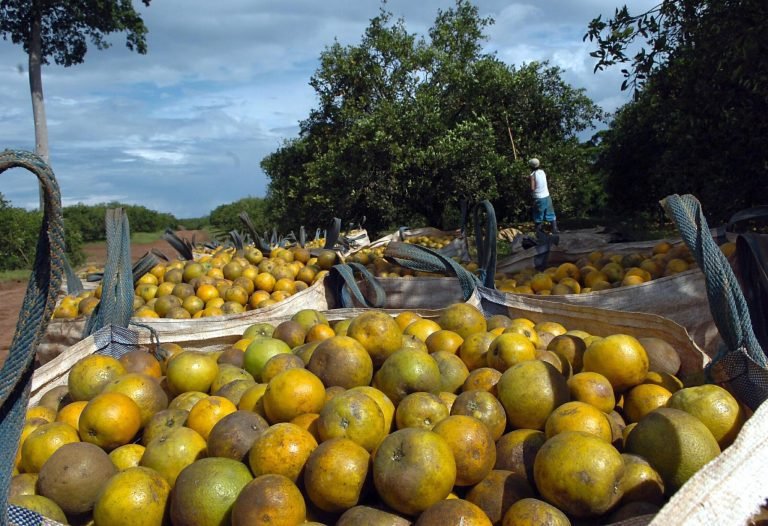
x,y
460,419
216,284
603,270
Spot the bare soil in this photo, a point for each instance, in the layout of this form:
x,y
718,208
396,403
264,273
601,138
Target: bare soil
x,y
12,292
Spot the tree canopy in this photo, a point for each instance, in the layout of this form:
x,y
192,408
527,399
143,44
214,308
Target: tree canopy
x,y
66,27
407,126
697,123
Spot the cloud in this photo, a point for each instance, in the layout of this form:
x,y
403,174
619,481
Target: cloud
x,y
184,128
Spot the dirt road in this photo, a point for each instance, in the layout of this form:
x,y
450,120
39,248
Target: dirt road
x,y
12,292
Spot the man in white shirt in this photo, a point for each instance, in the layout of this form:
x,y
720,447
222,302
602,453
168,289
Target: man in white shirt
x,y
542,201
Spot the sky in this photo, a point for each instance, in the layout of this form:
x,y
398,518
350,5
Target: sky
x,y
184,128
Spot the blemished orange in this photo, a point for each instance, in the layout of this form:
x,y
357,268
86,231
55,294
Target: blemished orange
x,y
270,500
40,411
594,389
473,447
482,379
207,412
142,389
642,399
127,456
578,416
89,375
453,511
353,415
335,474
281,449
110,420
483,406
422,410
618,357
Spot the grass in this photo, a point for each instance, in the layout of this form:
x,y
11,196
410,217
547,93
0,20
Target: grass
x,y
141,238
14,275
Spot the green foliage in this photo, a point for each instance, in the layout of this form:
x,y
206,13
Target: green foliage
x,y
90,219
19,232
408,127
67,27
195,223
225,218
697,123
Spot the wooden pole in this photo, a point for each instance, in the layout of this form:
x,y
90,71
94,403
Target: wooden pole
x,y
509,130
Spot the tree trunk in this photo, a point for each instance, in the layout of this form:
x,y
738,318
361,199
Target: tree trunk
x,y
36,89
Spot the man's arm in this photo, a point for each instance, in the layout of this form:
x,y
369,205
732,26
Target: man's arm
x,y
533,181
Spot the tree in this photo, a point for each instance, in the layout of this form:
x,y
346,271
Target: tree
x,y
226,218
60,29
407,126
696,122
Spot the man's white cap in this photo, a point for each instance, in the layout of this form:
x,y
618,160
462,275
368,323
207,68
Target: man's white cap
x,y
534,163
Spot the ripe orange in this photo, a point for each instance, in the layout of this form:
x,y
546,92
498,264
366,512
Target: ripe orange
x,y
207,412
453,371
70,413
292,393
378,332
42,441
620,358
462,319
444,340
142,389
127,456
453,512
530,391
405,318
407,371
421,329
474,349
134,492
110,420
482,379
319,332
594,389
498,491
509,349
578,416
141,361
191,371
642,399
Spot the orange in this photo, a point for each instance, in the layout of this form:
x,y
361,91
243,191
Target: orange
x,y
42,442
509,349
421,410
516,451
530,391
413,469
89,375
342,361
170,453
353,415
319,332
405,318
251,399
141,361
579,473
281,449
40,411
474,349
207,292
473,447
134,492
335,474
308,421
186,400
530,511
715,407
292,393
70,413
594,389
378,333
279,363
207,412
421,329
483,406
453,372
259,351
642,399
265,281
110,420
206,491
142,389
450,512
444,340
191,371
482,379
620,358
578,416
463,319
270,500
498,491
407,371
127,456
